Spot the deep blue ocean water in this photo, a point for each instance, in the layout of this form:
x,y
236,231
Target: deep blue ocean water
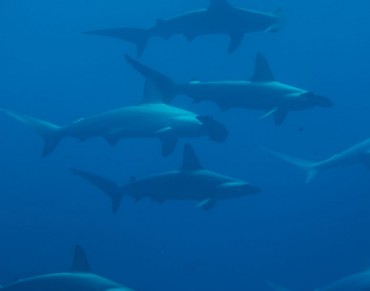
x,y
302,236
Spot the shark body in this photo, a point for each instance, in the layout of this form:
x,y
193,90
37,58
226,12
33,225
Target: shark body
x,y
79,279
191,182
262,92
357,154
355,282
151,119
219,18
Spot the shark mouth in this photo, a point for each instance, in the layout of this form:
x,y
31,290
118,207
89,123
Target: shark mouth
x,y
218,132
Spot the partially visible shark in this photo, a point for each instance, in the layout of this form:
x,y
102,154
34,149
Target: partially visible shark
x,y
262,92
191,182
218,18
355,282
79,278
357,154
151,118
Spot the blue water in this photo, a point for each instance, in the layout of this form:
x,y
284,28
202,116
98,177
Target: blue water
x,y
301,236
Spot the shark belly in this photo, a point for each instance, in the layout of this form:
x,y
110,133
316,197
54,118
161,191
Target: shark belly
x,y
239,94
175,186
63,282
137,121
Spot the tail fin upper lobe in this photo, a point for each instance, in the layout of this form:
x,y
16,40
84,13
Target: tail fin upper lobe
x,y
310,167
165,84
107,186
138,36
48,131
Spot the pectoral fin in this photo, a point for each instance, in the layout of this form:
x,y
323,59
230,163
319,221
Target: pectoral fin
x,y
168,144
235,41
280,115
206,204
268,113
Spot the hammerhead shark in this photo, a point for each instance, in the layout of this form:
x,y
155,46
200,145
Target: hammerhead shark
x,y
219,17
79,278
262,92
191,182
151,119
357,154
355,282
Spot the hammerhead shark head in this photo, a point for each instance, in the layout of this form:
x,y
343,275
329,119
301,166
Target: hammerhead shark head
x,y
218,18
357,154
262,92
191,182
151,118
355,282
79,278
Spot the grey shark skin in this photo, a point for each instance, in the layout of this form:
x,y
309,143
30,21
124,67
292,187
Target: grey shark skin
x,y
219,18
262,92
357,154
191,182
151,119
79,279
355,282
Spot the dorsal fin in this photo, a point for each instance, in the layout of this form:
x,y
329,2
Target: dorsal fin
x,y
151,93
190,160
262,71
218,4
80,263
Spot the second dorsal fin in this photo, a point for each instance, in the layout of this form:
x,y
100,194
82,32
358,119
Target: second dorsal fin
x,y
262,71
190,160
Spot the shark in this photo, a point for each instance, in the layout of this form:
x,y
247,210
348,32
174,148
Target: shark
x,y
262,92
152,118
357,154
355,282
190,182
80,278
220,17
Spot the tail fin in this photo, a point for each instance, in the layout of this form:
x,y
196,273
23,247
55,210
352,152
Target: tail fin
x,y
138,36
165,84
310,167
48,131
107,186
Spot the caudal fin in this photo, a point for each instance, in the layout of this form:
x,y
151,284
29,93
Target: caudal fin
x,y
107,186
48,131
138,36
165,84
310,167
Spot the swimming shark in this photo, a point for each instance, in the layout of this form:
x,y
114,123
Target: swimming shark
x,y
151,119
357,154
79,278
219,17
355,282
262,92
190,182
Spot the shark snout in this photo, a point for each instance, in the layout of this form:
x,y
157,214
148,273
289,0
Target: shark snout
x,y
318,100
217,131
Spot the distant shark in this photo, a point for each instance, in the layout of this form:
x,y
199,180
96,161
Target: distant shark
x,y
357,154
152,119
356,282
219,18
261,93
79,279
191,182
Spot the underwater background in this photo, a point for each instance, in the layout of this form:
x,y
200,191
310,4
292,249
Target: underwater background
x,y
302,236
